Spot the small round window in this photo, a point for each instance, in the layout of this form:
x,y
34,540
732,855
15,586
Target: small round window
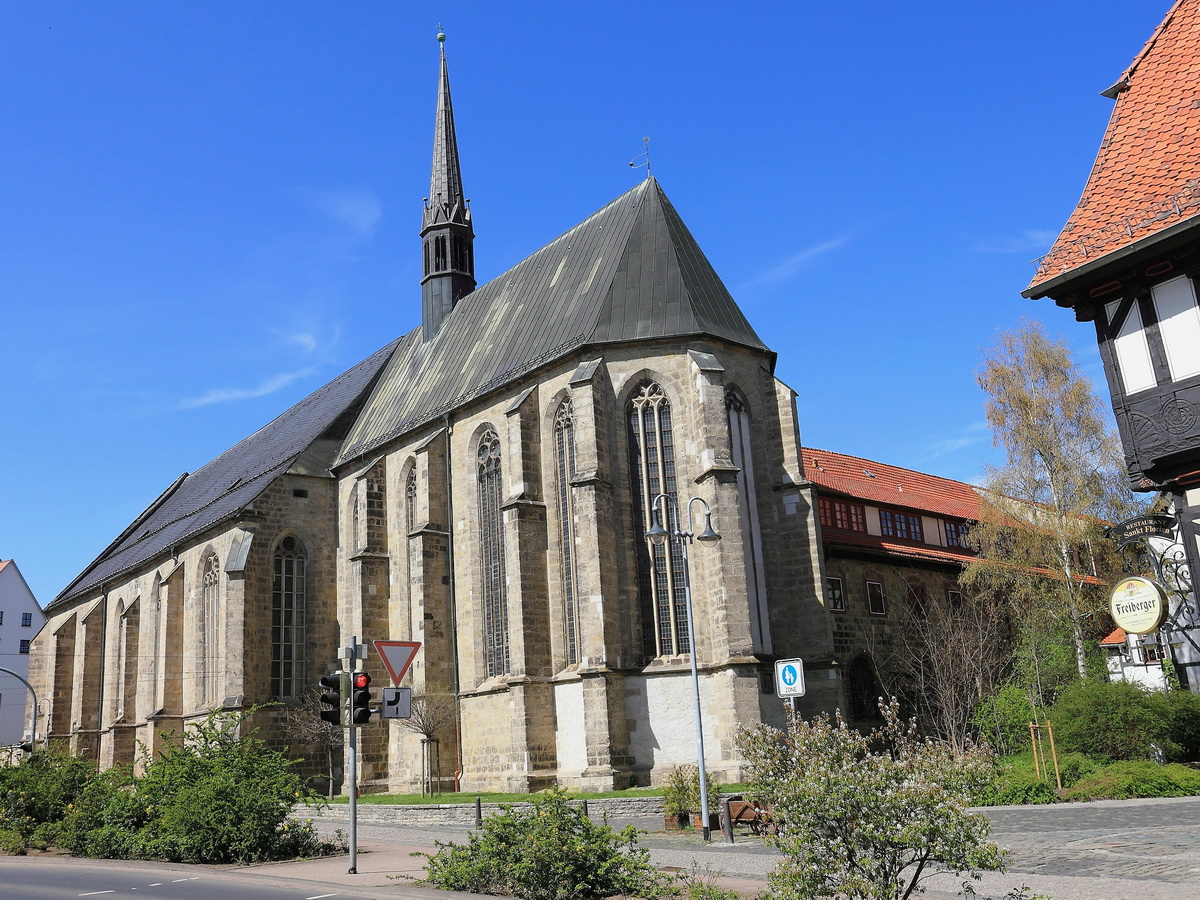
x,y
289,545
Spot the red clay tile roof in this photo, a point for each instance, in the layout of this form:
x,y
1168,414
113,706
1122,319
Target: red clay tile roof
x,y
855,540
1117,637
1147,174
877,482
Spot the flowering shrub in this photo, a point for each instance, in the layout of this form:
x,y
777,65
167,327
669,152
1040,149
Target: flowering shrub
x,y
548,850
868,817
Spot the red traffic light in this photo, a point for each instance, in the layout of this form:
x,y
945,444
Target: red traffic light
x,y
362,680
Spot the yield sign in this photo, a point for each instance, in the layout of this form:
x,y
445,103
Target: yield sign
x,y
397,656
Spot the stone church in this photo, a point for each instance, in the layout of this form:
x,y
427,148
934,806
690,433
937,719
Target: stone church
x,y
483,485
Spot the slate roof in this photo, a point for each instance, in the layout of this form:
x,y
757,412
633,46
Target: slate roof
x,y
631,271
1147,173
876,482
219,490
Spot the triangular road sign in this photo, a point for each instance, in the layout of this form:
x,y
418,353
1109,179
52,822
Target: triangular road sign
x,y
397,656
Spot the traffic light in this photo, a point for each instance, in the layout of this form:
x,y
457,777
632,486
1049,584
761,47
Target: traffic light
x,y
360,699
334,687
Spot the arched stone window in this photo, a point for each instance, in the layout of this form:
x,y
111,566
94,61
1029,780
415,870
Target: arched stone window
x,y
564,470
743,458
410,500
493,589
288,596
660,568
210,651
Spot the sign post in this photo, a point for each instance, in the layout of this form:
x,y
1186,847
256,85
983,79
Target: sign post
x,y
789,680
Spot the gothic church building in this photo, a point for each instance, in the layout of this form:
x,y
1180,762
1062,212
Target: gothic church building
x,y
483,485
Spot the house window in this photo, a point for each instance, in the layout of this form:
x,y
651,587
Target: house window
x,y
843,514
564,470
1132,349
210,651
956,534
1178,325
875,602
747,492
492,576
914,595
288,596
1,617
24,646
954,600
26,619
833,590
660,567
902,525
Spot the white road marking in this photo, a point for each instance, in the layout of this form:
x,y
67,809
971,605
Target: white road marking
x,y
319,896
94,893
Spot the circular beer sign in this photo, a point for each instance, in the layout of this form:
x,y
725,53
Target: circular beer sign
x,y
1138,605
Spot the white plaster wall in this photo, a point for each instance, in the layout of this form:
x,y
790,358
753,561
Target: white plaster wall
x,y
661,710
569,731
15,599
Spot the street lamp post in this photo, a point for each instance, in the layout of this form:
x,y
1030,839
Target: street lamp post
x,y
658,535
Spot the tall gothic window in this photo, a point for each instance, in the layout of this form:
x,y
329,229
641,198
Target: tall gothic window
x,y
210,652
491,558
287,618
410,500
660,568
564,462
743,458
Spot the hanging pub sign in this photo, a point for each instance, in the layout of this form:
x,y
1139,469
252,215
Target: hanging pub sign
x,y
1142,527
1138,605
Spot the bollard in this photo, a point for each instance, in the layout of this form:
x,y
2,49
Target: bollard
x,y
726,821
585,810
478,813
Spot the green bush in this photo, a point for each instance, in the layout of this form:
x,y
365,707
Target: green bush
x,y
1136,778
1017,787
1183,722
681,796
36,795
1003,719
548,850
214,796
1111,720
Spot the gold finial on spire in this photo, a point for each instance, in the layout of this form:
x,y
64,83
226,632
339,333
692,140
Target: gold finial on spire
x,y
634,164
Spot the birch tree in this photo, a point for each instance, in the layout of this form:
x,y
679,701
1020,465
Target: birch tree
x,y
1040,537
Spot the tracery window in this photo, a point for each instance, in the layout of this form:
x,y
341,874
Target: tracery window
x,y
210,651
564,470
743,457
288,596
491,558
660,568
410,500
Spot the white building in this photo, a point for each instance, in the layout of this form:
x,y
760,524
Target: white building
x,y
20,619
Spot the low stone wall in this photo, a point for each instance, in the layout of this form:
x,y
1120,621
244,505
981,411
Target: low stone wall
x,y
464,813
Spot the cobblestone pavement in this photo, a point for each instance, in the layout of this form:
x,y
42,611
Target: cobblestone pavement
x,y
1106,850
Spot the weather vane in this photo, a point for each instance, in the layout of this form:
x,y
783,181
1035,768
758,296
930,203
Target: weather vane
x,y
645,157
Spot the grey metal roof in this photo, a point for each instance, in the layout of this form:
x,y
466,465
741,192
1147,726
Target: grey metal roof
x,y
234,479
631,271
446,202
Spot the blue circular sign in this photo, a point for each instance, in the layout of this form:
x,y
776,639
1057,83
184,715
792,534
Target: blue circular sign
x,y
789,675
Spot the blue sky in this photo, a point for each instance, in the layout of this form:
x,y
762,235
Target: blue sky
x,y
208,209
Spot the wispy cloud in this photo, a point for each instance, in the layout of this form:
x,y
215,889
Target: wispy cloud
x,y
357,209
306,341
1031,240
231,395
966,436
794,264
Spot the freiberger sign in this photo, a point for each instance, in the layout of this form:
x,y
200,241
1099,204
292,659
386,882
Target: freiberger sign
x,y
1138,605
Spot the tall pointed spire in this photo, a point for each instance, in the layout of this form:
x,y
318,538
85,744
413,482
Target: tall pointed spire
x,y
446,232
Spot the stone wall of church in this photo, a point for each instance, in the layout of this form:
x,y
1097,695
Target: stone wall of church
x,y
573,705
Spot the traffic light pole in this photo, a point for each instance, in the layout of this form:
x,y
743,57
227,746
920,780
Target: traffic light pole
x,y
352,750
